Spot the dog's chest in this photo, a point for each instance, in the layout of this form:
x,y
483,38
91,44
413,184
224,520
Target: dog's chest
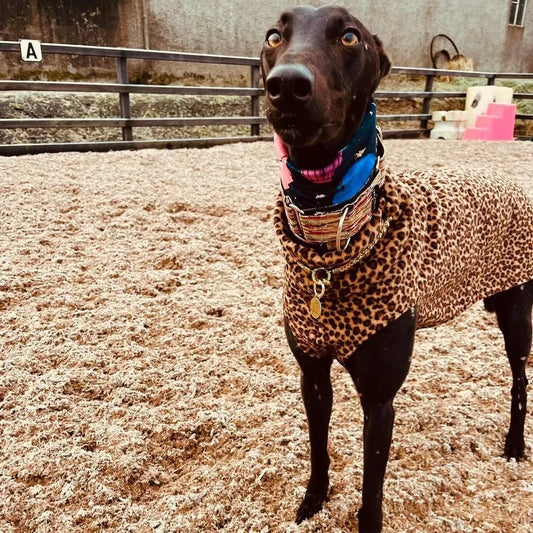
x,y
452,241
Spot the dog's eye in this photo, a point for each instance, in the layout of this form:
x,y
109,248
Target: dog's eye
x,y
349,38
274,39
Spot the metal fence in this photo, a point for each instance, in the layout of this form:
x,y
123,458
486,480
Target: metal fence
x,y
126,122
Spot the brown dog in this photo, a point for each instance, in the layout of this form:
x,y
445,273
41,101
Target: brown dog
x,y
372,256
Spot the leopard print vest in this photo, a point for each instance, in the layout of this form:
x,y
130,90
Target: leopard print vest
x,y
448,241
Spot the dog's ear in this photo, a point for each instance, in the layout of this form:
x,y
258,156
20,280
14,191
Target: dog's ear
x,y
384,60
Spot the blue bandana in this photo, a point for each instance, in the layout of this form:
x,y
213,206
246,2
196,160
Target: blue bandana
x,y
342,181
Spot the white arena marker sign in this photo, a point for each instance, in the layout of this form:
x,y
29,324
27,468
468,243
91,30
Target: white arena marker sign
x,y
30,50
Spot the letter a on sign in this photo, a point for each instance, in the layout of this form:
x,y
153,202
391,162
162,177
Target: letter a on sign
x,y
30,50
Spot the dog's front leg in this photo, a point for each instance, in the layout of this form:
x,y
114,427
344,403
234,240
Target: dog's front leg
x,y
317,396
377,437
378,369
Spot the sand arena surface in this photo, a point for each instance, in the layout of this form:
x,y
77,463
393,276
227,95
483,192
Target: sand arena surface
x,y
145,382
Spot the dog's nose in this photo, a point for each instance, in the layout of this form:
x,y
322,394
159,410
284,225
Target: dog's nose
x,y
289,84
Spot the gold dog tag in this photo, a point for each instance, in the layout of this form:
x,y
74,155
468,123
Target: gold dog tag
x,y
315,307
321,277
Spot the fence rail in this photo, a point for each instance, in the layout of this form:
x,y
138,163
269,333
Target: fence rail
x,y
126,122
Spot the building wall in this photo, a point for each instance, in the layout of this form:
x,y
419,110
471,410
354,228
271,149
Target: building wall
x,y
478,27
237,27
74,21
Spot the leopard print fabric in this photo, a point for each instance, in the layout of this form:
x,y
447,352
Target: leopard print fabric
x,y
453,240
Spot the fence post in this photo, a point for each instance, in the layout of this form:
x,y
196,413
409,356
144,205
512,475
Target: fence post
x,y
125,105
255,102
427,100
491,80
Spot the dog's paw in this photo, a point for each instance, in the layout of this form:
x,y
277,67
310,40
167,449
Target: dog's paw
x,y
370,522
310,505
514,448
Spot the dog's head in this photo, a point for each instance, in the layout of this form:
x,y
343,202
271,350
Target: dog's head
x,y
320,69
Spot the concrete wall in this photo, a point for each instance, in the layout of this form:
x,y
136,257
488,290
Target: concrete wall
x,y
74,21
478,27
90,22
236,27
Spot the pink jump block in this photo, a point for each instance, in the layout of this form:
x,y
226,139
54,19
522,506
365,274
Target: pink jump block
x,y
496,125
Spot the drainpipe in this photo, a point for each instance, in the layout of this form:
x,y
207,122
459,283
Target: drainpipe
x,y
146,36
